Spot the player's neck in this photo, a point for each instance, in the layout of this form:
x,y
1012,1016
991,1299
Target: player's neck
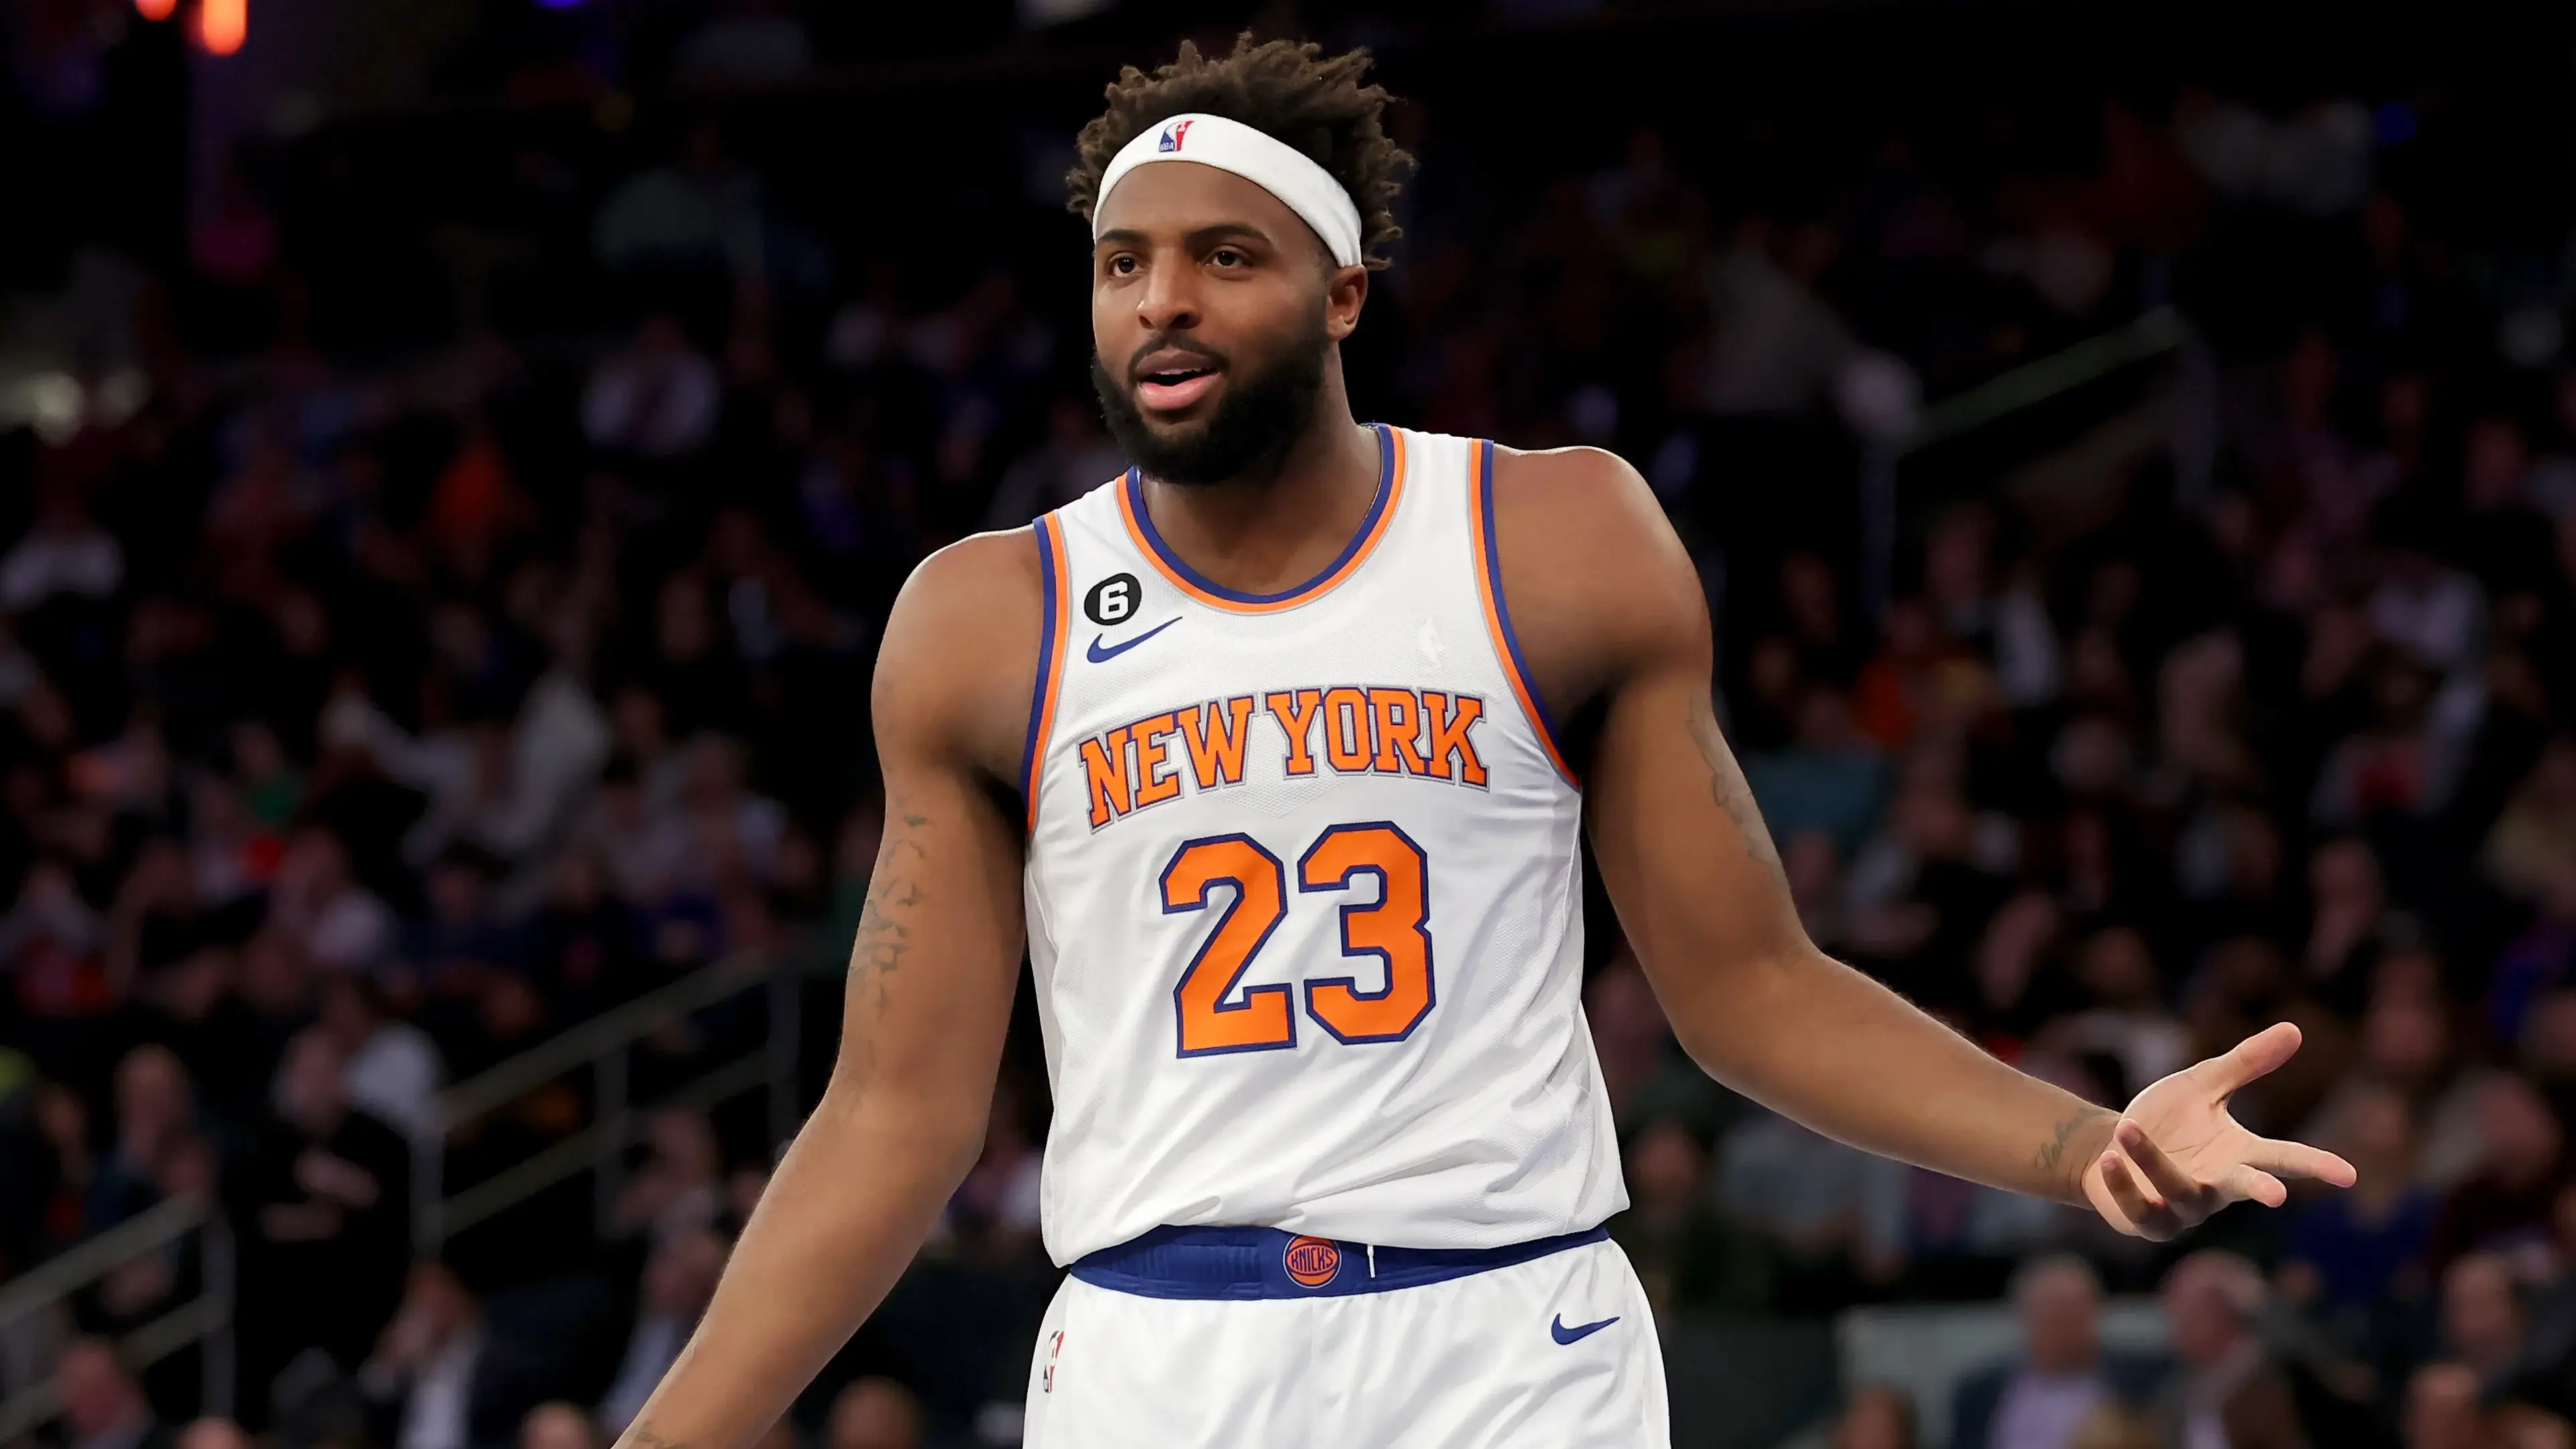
x,y
1262,536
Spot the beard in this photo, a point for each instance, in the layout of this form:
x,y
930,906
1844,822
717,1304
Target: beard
x,y
1247,437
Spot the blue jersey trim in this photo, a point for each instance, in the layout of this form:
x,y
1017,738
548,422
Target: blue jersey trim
x,y
1044,687
1493,555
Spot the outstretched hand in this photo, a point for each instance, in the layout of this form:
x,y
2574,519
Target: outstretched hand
x,y
2176,1155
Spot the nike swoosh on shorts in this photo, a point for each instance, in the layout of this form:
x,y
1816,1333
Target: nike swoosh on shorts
x,y
1562,1334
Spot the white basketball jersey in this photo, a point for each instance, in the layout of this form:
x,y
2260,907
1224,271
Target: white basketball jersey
x,y
1304,891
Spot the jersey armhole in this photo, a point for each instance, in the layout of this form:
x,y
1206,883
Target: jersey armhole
x,y
1050,673
1498,614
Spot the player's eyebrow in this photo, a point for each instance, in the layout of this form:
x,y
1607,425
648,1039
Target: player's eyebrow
x,y
1216,231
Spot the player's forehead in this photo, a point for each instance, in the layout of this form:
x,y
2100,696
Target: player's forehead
x,y
1173,199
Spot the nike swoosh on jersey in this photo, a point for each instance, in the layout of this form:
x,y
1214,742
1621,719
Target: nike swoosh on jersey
x,y
1100,655
1562,1334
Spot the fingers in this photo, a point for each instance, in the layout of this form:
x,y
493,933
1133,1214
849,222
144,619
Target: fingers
x,y
2257,1055
2163,1175
2298,1159
2254,1184
2148,1218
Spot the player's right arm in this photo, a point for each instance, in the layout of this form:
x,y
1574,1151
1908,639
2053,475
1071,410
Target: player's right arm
x,y
931,978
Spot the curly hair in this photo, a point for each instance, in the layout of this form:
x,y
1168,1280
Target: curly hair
x,y
1288,89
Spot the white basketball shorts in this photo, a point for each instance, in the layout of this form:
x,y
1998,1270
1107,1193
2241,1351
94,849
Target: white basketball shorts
x,y
1250,1338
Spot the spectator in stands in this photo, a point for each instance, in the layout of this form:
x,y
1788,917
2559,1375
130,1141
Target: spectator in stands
x,y
2532,845
102,1405
679,1188
2112,1427
1645,1069
50,945
339,923
658,399
155,1115
2442,1408
874,1413
698,213
65,554
2063,1376
428,1375
587,940
557,1425
1686,1253
1074,457
1879,1417
2126,1019
323,1197
2511,1196
2527,1426
462,937
1835,1213
679,1278
2483,1326
2224,1387
1831,779
392,1070
995,1209
211,1433
2347,1252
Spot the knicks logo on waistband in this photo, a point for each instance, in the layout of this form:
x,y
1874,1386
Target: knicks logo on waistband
x,y
1312,1262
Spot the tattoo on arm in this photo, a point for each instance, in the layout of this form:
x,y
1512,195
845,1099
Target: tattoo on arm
x,y
643,1437
884,934
1727,787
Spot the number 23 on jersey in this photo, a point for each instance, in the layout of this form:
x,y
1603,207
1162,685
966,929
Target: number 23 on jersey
x,y
1395,928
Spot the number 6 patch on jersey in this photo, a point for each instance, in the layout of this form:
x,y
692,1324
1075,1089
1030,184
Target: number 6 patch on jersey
x,y
1395,928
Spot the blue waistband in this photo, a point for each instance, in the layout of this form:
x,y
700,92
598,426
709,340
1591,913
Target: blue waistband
x,y
1253,1263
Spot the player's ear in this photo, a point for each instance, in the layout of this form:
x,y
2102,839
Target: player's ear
x,y
1344,296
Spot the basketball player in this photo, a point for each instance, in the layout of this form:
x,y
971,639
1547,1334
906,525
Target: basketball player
x,y
1272,753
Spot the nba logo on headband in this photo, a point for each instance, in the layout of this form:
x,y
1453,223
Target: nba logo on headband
x,y
1172,136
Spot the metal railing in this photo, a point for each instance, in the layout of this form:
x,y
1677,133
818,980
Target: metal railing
x,y
206,1318
601,1045
2156,333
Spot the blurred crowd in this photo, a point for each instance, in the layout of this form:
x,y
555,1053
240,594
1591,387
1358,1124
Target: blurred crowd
x,y
388,685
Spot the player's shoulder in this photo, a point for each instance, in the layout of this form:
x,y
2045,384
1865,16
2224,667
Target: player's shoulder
x,y
1586,500
960,652
1595,575
978,564
1588,515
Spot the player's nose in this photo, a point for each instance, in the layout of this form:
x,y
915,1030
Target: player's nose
x,y
1169,301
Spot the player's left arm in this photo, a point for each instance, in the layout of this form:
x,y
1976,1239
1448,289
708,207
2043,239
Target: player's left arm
x,y
1610,615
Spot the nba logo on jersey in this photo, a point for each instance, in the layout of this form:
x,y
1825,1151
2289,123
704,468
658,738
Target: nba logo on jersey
x,y
1312,1262
1172,135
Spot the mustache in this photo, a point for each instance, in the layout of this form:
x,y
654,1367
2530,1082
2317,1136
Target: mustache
x,y
1173,344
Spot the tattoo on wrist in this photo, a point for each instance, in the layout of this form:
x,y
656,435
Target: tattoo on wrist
x,y
2051,1157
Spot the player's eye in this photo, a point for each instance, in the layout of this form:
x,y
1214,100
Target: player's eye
x,y
1227,257
1123,264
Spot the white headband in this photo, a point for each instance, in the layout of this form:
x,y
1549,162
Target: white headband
x,y
1262,159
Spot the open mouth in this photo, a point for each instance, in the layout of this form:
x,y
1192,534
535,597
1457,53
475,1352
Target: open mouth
x,y
1175,385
